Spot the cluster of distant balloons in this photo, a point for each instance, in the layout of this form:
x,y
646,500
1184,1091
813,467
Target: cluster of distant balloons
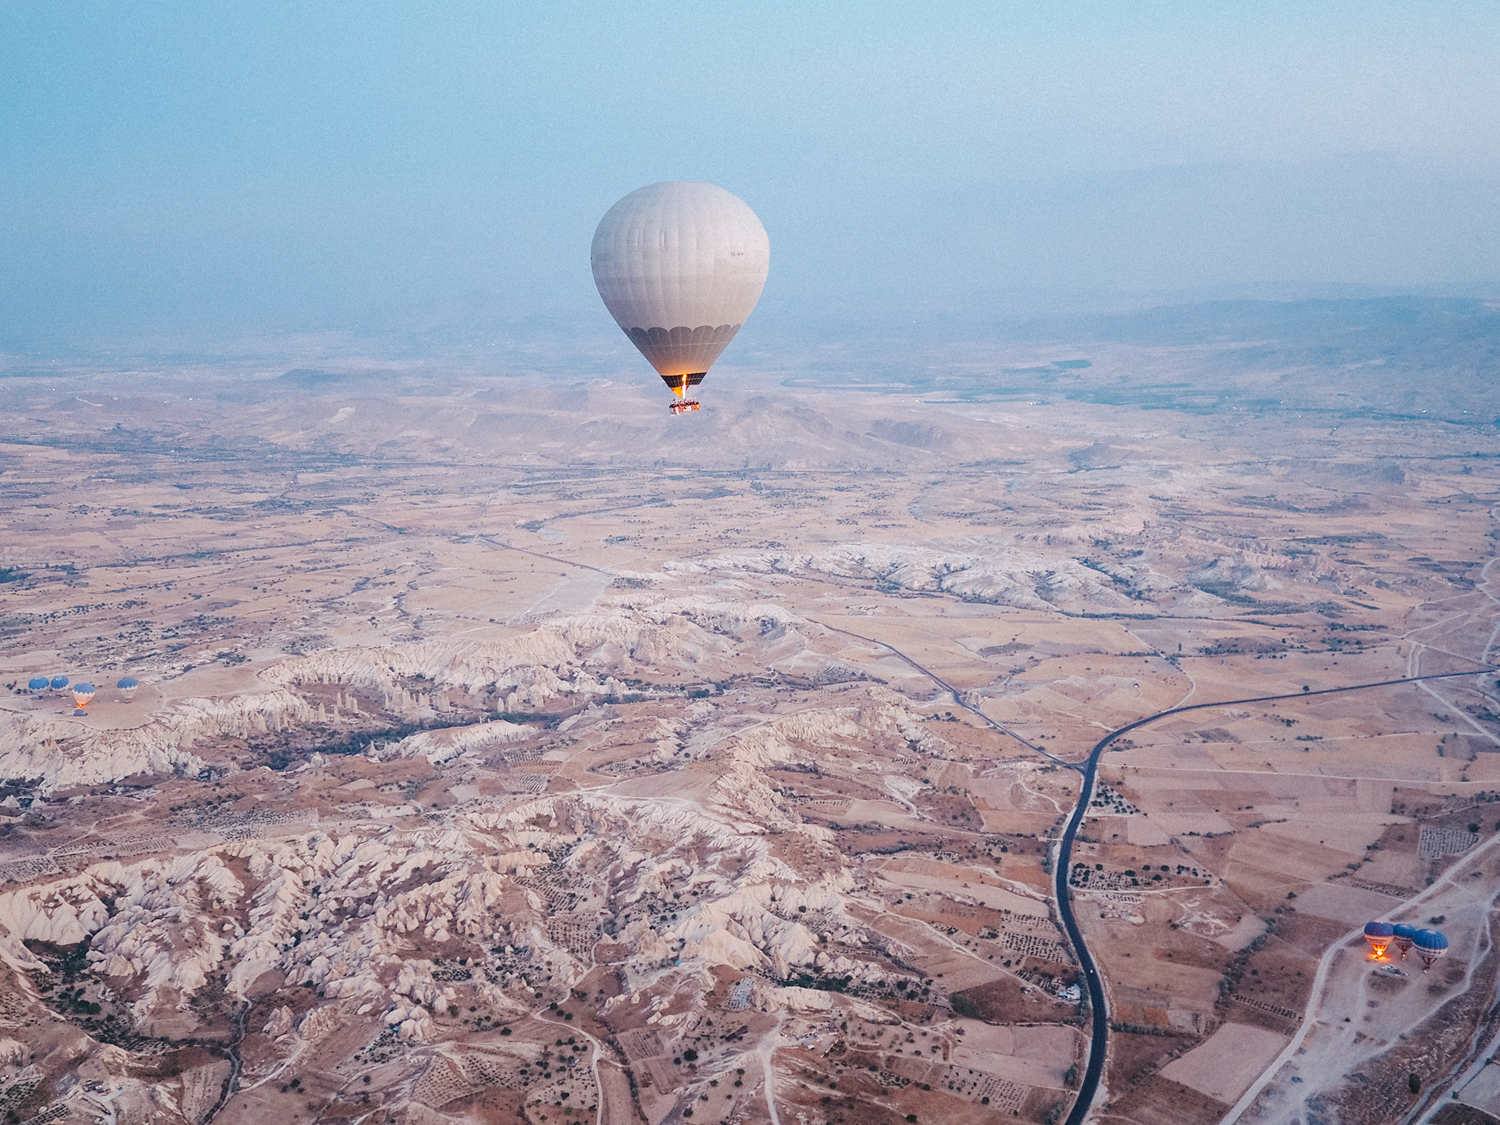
x,y
1429,944
82,693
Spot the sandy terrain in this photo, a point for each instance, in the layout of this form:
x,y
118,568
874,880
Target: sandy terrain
x,y
498,754
1225,1064
1379,1018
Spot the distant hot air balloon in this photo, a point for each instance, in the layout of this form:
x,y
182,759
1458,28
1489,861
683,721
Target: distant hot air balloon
x,y
82,693
1430,945
680,265
1379,934
59,682
128,686
1403,937
39,683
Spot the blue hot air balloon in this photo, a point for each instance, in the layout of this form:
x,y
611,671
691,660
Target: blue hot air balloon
x,y
1379,935
39,683
128,686
1430,945
1403,937
59,682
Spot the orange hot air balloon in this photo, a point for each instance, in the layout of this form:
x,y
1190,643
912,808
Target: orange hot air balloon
x,y
1379,935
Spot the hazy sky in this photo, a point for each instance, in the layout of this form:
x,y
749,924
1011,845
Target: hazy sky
x,y
266,164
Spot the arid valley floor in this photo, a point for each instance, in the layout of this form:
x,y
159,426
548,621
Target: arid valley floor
x,y
514,752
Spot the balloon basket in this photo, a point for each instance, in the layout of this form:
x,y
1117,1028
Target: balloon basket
x,y
684,407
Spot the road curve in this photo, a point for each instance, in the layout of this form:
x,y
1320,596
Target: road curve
x,y
1099,1043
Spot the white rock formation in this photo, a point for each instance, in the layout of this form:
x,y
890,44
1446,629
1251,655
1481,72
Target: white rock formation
x,y
60,753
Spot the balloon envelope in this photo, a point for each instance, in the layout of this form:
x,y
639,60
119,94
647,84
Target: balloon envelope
x,y
82,693
128,682
1379,934
59,682
39,683
1430,946
679,266
1403,936
1430,941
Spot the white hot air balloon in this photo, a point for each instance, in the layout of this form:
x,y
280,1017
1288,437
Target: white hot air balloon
x,y
680,265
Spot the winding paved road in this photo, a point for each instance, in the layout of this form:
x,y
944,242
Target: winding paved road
x,y
1099,1041
1098,1044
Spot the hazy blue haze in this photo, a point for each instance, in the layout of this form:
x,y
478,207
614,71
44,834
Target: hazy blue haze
x,y
264,165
